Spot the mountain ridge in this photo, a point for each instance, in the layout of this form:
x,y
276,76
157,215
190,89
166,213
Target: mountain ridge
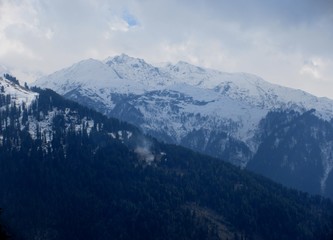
x,y
215,80
209,111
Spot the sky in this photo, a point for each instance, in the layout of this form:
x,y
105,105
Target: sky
x,y
287,42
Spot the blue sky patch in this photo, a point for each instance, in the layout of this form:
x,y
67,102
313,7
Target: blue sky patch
x,y
130,19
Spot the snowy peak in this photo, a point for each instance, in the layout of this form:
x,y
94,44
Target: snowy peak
x,y
125,59
125,74
136,69
122,74
124,64
90,73
185,68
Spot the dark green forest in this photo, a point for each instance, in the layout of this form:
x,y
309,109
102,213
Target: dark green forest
x,y
3,233
87,184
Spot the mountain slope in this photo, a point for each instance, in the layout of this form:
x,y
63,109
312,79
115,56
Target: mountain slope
x,y
296,149
19,94
212,112
80,175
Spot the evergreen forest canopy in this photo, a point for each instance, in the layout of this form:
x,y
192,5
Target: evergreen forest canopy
x,y
93,183
3,233
11,78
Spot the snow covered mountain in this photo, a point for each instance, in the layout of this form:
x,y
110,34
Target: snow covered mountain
x,y
217,113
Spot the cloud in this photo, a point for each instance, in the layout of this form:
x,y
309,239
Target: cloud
x,y
123,23
130,19
312,67
49,34
13,21
119,24
286,42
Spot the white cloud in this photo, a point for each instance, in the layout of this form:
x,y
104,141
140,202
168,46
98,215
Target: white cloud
x,y
12,18
312,67
49,34
267,38
122,24
119,24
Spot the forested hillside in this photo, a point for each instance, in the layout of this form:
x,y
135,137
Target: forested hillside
x,y
3,233
67,172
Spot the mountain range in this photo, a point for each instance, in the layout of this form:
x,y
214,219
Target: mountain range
x,y
282,133
69,172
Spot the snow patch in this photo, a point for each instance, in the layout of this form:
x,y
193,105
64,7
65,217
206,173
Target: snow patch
x,y
19,94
